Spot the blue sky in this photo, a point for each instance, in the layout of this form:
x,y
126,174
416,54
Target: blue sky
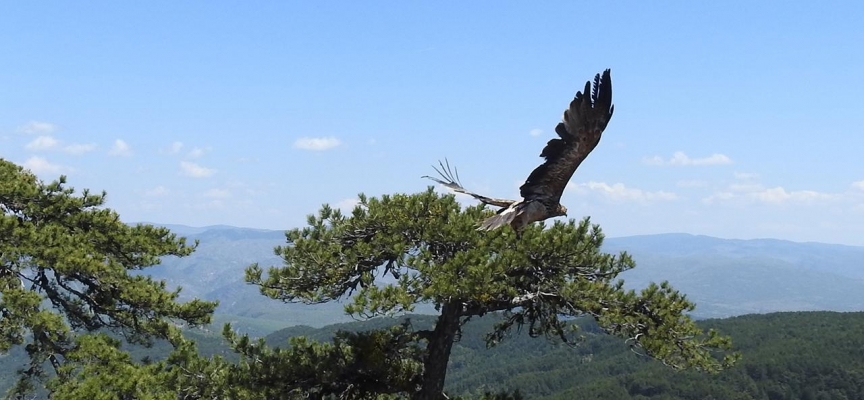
x,y
733,119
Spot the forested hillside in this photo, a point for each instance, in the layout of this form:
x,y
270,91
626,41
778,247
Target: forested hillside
x,y
800,355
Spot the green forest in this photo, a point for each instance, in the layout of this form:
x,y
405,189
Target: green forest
x,y
797,355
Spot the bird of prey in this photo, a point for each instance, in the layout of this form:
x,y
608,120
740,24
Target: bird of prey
x,y
578,134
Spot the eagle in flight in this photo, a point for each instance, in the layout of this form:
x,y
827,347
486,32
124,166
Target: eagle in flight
x,y
578,134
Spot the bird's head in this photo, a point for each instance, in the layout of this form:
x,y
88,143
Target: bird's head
x,y
561,211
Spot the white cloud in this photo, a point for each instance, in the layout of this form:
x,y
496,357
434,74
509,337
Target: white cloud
x,y
217,193
175,148
78,149
680,159
779,195
156,192
120,148
42,143
40,165
536,132
347,205
49,143
656,160
858,185
620,192
317,144
756,193
196,152
37,127
194,170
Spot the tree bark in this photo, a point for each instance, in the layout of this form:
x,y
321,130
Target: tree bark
x,y
438,353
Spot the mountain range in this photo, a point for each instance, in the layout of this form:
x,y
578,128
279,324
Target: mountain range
x,y
724,277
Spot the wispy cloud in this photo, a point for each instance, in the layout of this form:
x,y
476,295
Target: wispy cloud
x,y
858,185
174,148
34,127
42,143
120,148
40,165
156,192
317,144
620,192
197,152
681,159
194,170
536,132
79,148
756,193
745,176
779,195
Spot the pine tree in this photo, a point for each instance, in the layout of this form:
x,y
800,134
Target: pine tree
x,y
430,249
69,267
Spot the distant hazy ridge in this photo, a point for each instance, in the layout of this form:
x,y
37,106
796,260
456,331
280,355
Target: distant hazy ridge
x,y
724,277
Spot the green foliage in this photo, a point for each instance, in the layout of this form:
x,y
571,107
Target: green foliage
x,y
102,371
76,258
432,250
66,267
353,365
784,356
801,355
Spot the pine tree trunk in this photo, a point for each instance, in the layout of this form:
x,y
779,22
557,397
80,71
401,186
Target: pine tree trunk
x,y
440,344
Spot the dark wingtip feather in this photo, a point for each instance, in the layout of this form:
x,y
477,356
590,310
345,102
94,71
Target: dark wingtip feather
x,y
602,91
587,89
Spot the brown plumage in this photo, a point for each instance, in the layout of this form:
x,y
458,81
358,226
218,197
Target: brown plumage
x,y
578,134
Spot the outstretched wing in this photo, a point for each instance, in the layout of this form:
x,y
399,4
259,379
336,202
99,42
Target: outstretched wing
x,y
451,181
579,133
